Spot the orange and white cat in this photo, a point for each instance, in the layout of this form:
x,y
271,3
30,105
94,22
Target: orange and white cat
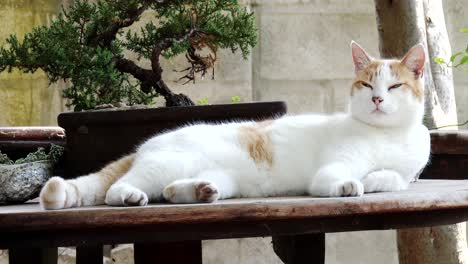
x,y
379,146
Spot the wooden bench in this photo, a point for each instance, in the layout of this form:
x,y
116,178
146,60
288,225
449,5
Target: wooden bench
x,y
165,233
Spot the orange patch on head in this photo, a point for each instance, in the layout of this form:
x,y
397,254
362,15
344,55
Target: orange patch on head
x,y
255,137
366,75
408,78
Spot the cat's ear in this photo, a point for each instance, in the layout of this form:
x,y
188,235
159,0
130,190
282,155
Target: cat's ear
x,y
415,59
360,57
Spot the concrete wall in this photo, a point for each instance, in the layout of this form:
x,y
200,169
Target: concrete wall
x,y
303,58
27,99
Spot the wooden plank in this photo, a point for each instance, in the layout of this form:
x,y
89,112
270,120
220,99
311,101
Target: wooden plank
x,y
426,203
32,133
423,196
89,254
184,252
300,249
453,142
32,255
231,229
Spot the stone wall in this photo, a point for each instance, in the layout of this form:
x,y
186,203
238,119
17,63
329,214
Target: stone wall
x,y
302,57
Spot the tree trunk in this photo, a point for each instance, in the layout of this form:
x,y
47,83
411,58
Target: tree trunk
x,y
402,24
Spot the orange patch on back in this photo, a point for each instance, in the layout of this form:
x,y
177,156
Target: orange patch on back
x,y
408,78
112,172
255,137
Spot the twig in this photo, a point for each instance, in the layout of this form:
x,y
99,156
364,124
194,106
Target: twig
x,y
457,125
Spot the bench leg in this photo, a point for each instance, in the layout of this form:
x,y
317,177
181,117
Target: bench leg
x,y
90,254
300,249
185,252
32,255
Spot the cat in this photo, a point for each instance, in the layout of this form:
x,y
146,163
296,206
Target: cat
x,y
380,146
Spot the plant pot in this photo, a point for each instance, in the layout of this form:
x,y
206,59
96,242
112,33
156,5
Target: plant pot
x,y
22,182
95,138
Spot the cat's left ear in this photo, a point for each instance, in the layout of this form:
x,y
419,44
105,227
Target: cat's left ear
x,y
360,57
415,59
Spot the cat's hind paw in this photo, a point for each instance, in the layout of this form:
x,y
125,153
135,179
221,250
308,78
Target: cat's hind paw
x,y
347,188
191,191
126,195
54,194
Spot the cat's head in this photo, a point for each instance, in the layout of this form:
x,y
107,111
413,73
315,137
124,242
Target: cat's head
x,y
388,93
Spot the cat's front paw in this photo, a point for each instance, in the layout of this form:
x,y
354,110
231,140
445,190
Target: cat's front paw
x,y
384,181
125,194
191,191
347,188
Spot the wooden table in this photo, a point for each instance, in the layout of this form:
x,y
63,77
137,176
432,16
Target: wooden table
x,y
298,224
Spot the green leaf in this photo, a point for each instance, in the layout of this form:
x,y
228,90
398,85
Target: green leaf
x,y
454,56
439,60
463,60
235,99
464,30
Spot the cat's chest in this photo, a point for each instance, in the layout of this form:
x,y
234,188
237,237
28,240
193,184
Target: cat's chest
x,y
370,150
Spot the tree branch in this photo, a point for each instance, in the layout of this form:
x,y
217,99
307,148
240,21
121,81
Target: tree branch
x,y
165,44
105,38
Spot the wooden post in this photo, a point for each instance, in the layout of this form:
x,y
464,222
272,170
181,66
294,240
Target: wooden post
x,y
185,252
32,255
89,254
300,249
402,24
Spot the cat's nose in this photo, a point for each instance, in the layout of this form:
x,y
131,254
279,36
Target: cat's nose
x,y
377,100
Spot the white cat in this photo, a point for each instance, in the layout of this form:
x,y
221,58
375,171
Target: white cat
x,y
380,146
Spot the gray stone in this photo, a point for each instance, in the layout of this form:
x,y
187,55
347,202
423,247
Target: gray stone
x,y
22,182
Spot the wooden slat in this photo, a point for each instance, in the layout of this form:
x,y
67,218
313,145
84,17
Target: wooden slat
x,y
32,133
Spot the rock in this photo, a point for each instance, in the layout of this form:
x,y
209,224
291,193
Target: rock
x,y
22,182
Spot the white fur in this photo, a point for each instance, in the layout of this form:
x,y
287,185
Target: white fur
x,y
318,155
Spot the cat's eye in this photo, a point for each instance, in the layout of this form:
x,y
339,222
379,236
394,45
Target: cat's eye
x,y
366,85
395,86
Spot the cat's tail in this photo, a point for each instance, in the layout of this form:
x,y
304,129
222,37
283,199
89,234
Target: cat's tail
x,y
90,189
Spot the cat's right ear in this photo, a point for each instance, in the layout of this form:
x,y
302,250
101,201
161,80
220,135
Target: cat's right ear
x,y
360,57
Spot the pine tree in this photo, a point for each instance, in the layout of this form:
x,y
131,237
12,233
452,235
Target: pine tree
x,y
85,45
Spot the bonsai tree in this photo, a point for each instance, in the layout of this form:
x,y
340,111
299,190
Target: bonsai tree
x,y
86,45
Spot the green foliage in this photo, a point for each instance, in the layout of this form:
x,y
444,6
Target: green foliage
x,y
235,99
458,59
4,159
86,42
203,101
54,155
